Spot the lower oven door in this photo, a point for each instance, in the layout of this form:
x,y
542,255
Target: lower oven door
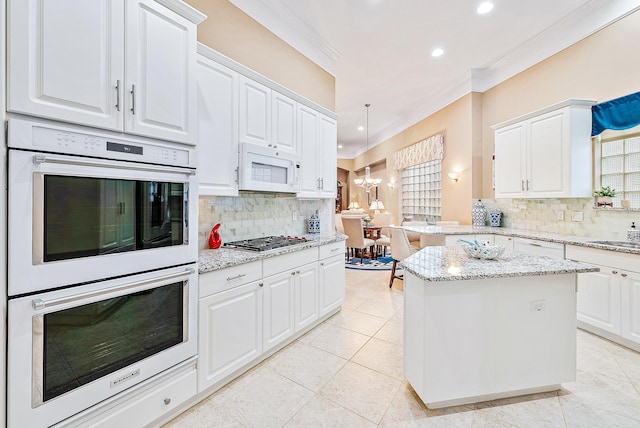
x,y
71,349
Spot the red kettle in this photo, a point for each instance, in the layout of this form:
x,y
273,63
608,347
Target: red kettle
x,y
214,237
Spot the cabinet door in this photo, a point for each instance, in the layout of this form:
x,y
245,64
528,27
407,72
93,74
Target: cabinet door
x,y
255,112
160,92
278,322
66,66
630,306
308,149
283,112
548,155
327,155
229,332
217,129
599,299
306,294
510,174
331,284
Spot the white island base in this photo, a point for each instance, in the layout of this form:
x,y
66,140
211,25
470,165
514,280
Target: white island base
x,y
475,340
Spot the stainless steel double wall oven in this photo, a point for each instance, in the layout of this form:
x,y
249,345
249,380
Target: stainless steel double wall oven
x,y
102,273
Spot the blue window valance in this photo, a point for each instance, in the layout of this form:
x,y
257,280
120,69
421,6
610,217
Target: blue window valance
x,y
618,114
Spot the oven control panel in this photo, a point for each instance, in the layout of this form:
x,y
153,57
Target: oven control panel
x,y
65,139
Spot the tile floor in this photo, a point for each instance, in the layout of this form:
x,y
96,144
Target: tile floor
x,y
347,372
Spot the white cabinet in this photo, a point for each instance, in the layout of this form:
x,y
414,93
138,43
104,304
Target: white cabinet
x,y
609,300
505,240
267,118
331,277
278,307
217,89
317,137
599,299
545,154
229,321
125,66
630,301
538,247
306,309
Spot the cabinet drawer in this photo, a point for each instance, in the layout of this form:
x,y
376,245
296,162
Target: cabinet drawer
x,y
540,248
332,249
282,263
619,260
225,279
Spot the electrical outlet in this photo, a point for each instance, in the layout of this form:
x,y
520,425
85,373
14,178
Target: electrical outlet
x,y
577,216
561,215
294,215
537,306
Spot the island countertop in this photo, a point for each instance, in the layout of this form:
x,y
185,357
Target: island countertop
x,y
453,264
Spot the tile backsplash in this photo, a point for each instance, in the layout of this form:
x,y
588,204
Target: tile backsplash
x,y
542,215
253,215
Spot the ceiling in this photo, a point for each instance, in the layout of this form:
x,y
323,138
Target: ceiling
x,y
380,50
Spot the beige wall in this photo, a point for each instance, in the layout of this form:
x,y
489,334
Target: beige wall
x,y
601,67
235,34
457,122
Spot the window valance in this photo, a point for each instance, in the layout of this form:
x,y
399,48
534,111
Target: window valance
x,y
426,150
621,113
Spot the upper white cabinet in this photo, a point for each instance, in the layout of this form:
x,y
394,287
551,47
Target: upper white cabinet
x,y
267,117
545,154
217,130
120,65
317,136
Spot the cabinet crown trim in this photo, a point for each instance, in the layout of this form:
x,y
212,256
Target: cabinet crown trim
x,y
566,103
184,10
245,71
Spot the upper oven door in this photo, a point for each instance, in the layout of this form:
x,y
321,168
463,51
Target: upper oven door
x,y
74,219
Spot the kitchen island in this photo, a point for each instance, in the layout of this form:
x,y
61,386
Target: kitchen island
x,y
477,330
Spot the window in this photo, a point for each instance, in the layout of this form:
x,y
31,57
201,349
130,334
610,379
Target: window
x,y
422,191
620,169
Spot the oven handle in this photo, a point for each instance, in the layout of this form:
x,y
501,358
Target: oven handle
x,y
139,167
39,304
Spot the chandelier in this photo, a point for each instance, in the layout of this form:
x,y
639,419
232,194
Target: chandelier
x,y
367,182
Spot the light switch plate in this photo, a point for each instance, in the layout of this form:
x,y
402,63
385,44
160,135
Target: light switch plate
x,y
561,215
577,216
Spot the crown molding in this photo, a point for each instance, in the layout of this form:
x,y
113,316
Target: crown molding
x,y
277,18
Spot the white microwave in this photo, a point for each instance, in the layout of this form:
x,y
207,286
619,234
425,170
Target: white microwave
x,y
266,169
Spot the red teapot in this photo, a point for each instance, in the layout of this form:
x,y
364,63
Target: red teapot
x,y
214,237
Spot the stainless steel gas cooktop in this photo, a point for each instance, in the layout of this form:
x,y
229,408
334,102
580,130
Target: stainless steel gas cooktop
x,y
266,243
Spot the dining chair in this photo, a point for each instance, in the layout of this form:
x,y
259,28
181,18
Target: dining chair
x,y
353,228
401,248
383,220
429,239
338,221
414,237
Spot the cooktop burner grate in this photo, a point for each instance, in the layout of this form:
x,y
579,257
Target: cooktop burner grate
x,y
266,243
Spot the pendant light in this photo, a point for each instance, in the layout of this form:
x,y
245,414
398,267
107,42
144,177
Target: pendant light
x,y
367,182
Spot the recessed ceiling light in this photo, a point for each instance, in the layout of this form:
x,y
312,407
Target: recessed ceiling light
x,y
360,128
437,52
339,146
485,7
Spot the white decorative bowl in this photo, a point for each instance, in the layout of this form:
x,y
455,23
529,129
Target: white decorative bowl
x,y
484,251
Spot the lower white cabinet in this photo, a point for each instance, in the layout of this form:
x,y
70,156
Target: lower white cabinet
x,y
277,320
609,301
331,283
250,309
538,247
229,332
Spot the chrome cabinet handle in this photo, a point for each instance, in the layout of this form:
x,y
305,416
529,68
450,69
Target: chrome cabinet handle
x,y
231,278
133,99
39,304
261,284
624,275
293,273
118,95
527,184
167,401
522,186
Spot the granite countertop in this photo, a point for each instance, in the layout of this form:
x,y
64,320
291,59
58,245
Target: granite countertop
x,y
521,233
453,264
210,260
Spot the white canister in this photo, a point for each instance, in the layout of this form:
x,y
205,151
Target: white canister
x,y
633,234
314,223
478,214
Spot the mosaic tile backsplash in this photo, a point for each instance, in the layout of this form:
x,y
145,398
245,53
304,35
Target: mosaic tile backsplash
x,y
542,215
253,215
